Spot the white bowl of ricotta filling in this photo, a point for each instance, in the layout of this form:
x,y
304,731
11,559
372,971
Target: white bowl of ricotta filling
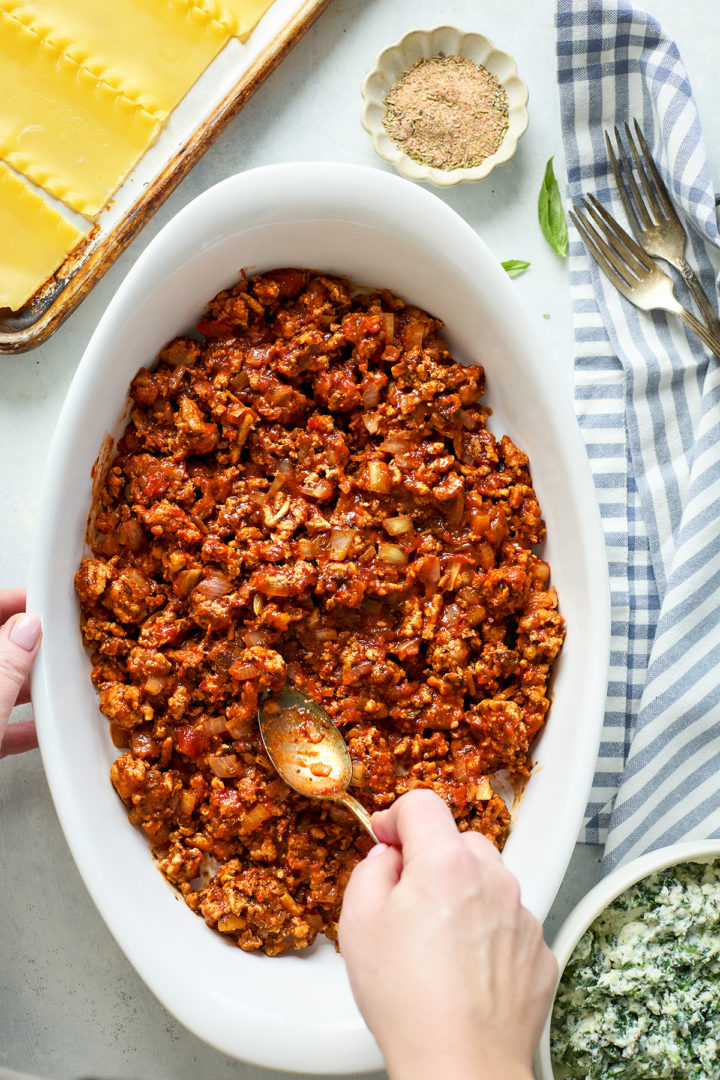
x,y
639,960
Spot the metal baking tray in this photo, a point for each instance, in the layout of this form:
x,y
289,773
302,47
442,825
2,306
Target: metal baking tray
x,y
204,112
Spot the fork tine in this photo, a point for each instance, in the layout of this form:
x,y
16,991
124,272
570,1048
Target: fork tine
x,y
650,195
623,243
619,183
662,190
637,198
590,236
628,268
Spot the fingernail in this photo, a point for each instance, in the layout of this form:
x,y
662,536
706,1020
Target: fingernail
x,y
377,850
25,632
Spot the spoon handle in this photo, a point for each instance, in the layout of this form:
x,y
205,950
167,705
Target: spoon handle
x,y
350,803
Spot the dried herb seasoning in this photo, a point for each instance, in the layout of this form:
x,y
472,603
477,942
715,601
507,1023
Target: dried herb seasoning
x,y
447,112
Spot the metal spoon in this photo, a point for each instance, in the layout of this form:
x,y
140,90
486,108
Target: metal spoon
x,y
308,750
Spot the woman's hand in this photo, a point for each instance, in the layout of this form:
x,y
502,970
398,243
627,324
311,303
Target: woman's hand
x,y
19,642
448,968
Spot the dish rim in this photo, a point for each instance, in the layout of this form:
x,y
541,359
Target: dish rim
x,y
416,45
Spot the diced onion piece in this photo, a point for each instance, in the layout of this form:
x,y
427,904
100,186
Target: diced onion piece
x,y
257,815
486,556
227,924
539,600
371,422
358,772
153,685
396,526
120,736
498,527
430,570
307,549
239,727
480,522
391,553
457,509
379,479
317,487
451,615
187,802
241,381
395,444
285,468
413,335
186,581
276,484
483,790
341,540
466,419
475,615
255,637
371,395
224,765
388,318
214,725
131,535
241,672
540,573
214,586
453,574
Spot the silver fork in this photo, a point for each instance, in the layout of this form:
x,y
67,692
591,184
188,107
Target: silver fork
x,y
652,216
631,270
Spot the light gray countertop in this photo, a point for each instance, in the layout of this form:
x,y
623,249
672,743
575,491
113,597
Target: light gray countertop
x,y
70,1003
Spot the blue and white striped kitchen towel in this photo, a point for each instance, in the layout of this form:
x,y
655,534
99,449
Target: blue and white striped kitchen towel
x,y
648,402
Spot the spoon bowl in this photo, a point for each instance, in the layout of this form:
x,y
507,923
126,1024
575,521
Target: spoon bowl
x,y
308,751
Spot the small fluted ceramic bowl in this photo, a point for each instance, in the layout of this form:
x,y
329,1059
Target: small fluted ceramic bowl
x,y
598,899
419,45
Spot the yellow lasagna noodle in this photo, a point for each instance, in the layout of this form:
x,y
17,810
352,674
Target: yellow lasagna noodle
x,y
35,240
152,51
244,15
61,126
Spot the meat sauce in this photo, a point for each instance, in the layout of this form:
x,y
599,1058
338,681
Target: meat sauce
x,y
310,494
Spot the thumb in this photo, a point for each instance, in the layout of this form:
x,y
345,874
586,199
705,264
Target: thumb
x,y
19,642
370,884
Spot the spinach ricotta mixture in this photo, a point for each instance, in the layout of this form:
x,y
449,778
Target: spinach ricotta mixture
x,y
640,996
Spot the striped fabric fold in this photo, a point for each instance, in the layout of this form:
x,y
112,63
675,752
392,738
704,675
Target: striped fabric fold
x,y
647,397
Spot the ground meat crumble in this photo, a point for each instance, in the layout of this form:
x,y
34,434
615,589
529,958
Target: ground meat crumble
x,y
310,493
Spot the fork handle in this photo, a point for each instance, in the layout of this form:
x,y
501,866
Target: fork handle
x,y
711,340
699,295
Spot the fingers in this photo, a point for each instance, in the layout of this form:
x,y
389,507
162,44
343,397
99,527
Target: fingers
x,y
19,737
415,822
374,878
12,601
481,846
19,642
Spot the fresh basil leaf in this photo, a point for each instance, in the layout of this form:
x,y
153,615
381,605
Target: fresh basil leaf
x,y
551,214
513,267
